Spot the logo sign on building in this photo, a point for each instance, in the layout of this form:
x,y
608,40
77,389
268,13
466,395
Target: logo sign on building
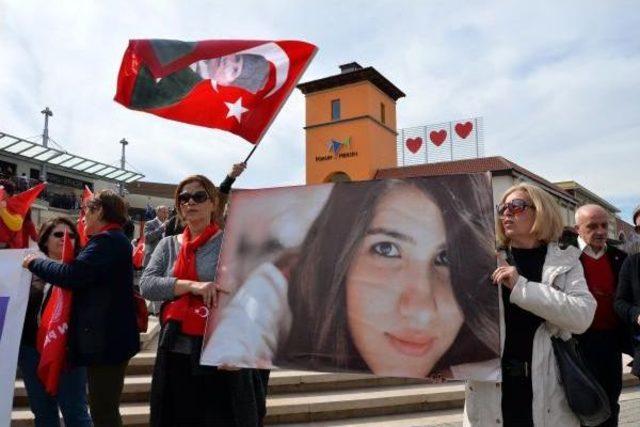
x,y
455,140
337,149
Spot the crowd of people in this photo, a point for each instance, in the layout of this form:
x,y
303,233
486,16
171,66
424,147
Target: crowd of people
x,y
590,291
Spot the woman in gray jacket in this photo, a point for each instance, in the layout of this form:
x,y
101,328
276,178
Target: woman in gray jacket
x,y
544,294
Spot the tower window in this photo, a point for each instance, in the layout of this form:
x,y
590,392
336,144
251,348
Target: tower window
x,y
382,113
335,109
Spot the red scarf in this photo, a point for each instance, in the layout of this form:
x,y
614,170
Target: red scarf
x,y
53,330
189,310
110,226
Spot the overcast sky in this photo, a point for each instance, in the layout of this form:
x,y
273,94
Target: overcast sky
x,y
558,84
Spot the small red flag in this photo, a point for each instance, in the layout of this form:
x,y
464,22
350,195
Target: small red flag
x,y
138,253
234,85
18,204
53,330
86,196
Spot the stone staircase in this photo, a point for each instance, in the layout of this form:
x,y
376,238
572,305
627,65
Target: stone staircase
x,y
314,398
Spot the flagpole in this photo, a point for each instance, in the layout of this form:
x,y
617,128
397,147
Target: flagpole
x,y
250,154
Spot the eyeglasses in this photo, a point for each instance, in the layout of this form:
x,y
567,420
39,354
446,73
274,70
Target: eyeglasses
x,y
60,235
197,196
515,206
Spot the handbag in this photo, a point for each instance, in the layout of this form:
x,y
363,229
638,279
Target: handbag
x,y
586,398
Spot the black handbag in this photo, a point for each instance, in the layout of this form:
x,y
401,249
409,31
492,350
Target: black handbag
x,y
586,398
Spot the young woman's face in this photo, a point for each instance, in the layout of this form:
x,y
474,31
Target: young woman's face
x,y
56,240
402,313
194,209
517,224
226,69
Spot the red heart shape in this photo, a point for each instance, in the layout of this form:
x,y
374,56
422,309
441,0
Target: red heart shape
x,y
463,130
438,137
414,144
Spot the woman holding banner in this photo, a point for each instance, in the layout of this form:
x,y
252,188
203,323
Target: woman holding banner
x,y
103,333
72,395
181,273
544,294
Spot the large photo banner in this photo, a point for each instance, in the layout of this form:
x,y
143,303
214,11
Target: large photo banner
x,y
390,277
14,294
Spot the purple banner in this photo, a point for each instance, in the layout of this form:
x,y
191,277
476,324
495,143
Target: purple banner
x,y
4,303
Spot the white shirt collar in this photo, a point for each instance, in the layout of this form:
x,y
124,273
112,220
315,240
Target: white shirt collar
x,y
589,250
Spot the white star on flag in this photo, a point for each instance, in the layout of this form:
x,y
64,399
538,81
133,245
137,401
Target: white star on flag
x,y
236,109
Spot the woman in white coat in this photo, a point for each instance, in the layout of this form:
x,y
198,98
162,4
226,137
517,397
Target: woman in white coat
x,y
544,294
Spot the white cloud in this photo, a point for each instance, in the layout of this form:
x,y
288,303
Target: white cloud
x,y
557,83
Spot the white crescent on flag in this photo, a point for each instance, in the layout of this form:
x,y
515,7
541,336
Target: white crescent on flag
x,y
278,57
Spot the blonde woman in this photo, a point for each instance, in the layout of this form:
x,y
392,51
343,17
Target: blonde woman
x,y
544,294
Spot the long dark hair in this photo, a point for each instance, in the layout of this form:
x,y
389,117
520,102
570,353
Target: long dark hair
x,y
317,295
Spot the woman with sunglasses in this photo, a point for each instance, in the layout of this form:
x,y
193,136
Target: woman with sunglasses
x,y
545,294
103,332
181,273
72,396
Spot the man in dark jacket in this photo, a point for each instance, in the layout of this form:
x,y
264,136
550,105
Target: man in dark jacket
x,y
601,343
628,299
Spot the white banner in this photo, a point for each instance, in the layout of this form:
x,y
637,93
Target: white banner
x,y
14,294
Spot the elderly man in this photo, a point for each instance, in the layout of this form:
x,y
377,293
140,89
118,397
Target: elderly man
x,y
628,298
154,232
601,343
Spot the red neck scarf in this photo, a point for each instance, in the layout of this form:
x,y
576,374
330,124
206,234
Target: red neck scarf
x,y
188,309
110,226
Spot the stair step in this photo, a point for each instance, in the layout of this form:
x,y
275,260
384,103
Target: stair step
x,y
138,387
305,407
302,407
415,405
443,418
437,418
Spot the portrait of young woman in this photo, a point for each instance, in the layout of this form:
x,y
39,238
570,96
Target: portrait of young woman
x,y
392,277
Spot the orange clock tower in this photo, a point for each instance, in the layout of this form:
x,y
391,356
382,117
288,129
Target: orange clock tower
x,y
350,125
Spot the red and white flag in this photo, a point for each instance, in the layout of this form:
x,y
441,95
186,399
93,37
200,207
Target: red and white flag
x,y
53,330
138,252
234,85
18,205
82,235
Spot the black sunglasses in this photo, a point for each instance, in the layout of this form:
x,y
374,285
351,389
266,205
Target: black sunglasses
x,y
60,235
197,196
515,206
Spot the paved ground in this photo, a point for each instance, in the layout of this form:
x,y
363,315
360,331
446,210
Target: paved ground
x,y
630,408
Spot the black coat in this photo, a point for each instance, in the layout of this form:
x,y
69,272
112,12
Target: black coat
x,y
103,328
627,304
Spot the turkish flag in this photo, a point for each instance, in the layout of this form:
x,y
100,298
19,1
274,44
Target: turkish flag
x,y
234,85
53,330
82,235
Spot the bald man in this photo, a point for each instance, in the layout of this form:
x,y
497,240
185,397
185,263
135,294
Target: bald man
x,y
601,344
